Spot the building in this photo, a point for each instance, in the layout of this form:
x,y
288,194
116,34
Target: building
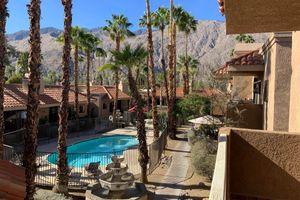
x,y
104,99
253,164
15,101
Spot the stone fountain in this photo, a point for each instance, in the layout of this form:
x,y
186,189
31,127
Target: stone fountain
x,y
117,183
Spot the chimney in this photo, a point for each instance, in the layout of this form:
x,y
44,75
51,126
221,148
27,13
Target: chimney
x,y
123,87
25,82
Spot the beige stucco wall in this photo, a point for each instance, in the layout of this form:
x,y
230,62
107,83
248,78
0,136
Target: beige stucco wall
x,y
242,87
294,125
277,52
264,165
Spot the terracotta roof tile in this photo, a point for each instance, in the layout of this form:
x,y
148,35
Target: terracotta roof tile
x,y
252,58
110,91
222,6
16,97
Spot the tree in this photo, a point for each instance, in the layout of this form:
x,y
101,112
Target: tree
x,y
192,64
77,35
130,58
3,56
118,29
100,53
62,171
160,21
186,24
31,124
171,73
152,72
89,45
245,38
22,63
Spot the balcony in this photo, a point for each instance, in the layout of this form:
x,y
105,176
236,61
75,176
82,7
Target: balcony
x,y
253,164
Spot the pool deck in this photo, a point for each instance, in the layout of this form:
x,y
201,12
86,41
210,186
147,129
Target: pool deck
x,y
78,176
51,146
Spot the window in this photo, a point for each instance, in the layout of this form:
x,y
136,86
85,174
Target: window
x,y
104,106
81,109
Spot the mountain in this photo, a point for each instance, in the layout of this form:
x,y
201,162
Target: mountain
x,y
209,44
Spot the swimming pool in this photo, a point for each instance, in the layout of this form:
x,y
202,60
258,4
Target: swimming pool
x,y
96,150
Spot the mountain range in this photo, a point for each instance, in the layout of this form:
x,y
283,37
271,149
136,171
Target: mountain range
x,y
209,44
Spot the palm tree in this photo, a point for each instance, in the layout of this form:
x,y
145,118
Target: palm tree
x,y
62,171
131,58
89,45
187,24
152,73
189,61
118,29
245,38
3,15
77,34
22,63
171,72
100,53
31,124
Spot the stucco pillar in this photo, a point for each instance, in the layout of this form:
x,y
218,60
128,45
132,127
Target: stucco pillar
x,y
294,125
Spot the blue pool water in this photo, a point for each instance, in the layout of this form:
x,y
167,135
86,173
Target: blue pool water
x,y
96,150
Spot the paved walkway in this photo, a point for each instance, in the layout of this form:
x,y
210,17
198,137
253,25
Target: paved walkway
x,y
167,180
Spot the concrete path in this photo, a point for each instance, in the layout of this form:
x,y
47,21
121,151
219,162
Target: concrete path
x,y
168,180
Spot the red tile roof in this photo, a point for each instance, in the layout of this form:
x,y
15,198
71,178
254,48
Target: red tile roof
x,y
110,91
222,6
251,58
179,92
16,97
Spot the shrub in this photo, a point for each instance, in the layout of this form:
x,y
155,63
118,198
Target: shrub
x,y
15,78
162,121
192,106
203,154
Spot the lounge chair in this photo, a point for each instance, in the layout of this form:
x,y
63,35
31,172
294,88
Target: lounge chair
x,y
93,169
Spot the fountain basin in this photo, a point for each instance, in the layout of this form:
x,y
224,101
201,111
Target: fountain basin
x,y
136,191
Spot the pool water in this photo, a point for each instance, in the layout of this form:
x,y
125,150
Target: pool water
x,y
96,150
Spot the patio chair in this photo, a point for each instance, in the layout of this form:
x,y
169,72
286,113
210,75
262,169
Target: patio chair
x,y
93,169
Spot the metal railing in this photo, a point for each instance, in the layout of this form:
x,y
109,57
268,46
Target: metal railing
x,y
49,131
156,150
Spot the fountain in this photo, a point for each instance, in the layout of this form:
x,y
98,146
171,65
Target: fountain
x,y
117,183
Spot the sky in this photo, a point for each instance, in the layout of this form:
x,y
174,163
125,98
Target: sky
x,y
93,13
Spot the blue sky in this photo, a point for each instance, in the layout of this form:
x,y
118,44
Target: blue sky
x,y
93,13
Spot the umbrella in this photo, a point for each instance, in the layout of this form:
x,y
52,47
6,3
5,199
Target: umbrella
x,y
133,109
206,120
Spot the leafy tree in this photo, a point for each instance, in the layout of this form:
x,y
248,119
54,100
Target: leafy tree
x,y
22,63
245,38
192,106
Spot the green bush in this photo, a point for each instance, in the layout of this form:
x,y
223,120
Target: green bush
x,y
203,154
15,78
192,106
162,121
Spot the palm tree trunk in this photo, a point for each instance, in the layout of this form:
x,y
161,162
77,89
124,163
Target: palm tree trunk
x,y
62,171
34,62
141,132
4,14
88,91
187,81
152,73
163,65
171,74
76,82
148,84
118,43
